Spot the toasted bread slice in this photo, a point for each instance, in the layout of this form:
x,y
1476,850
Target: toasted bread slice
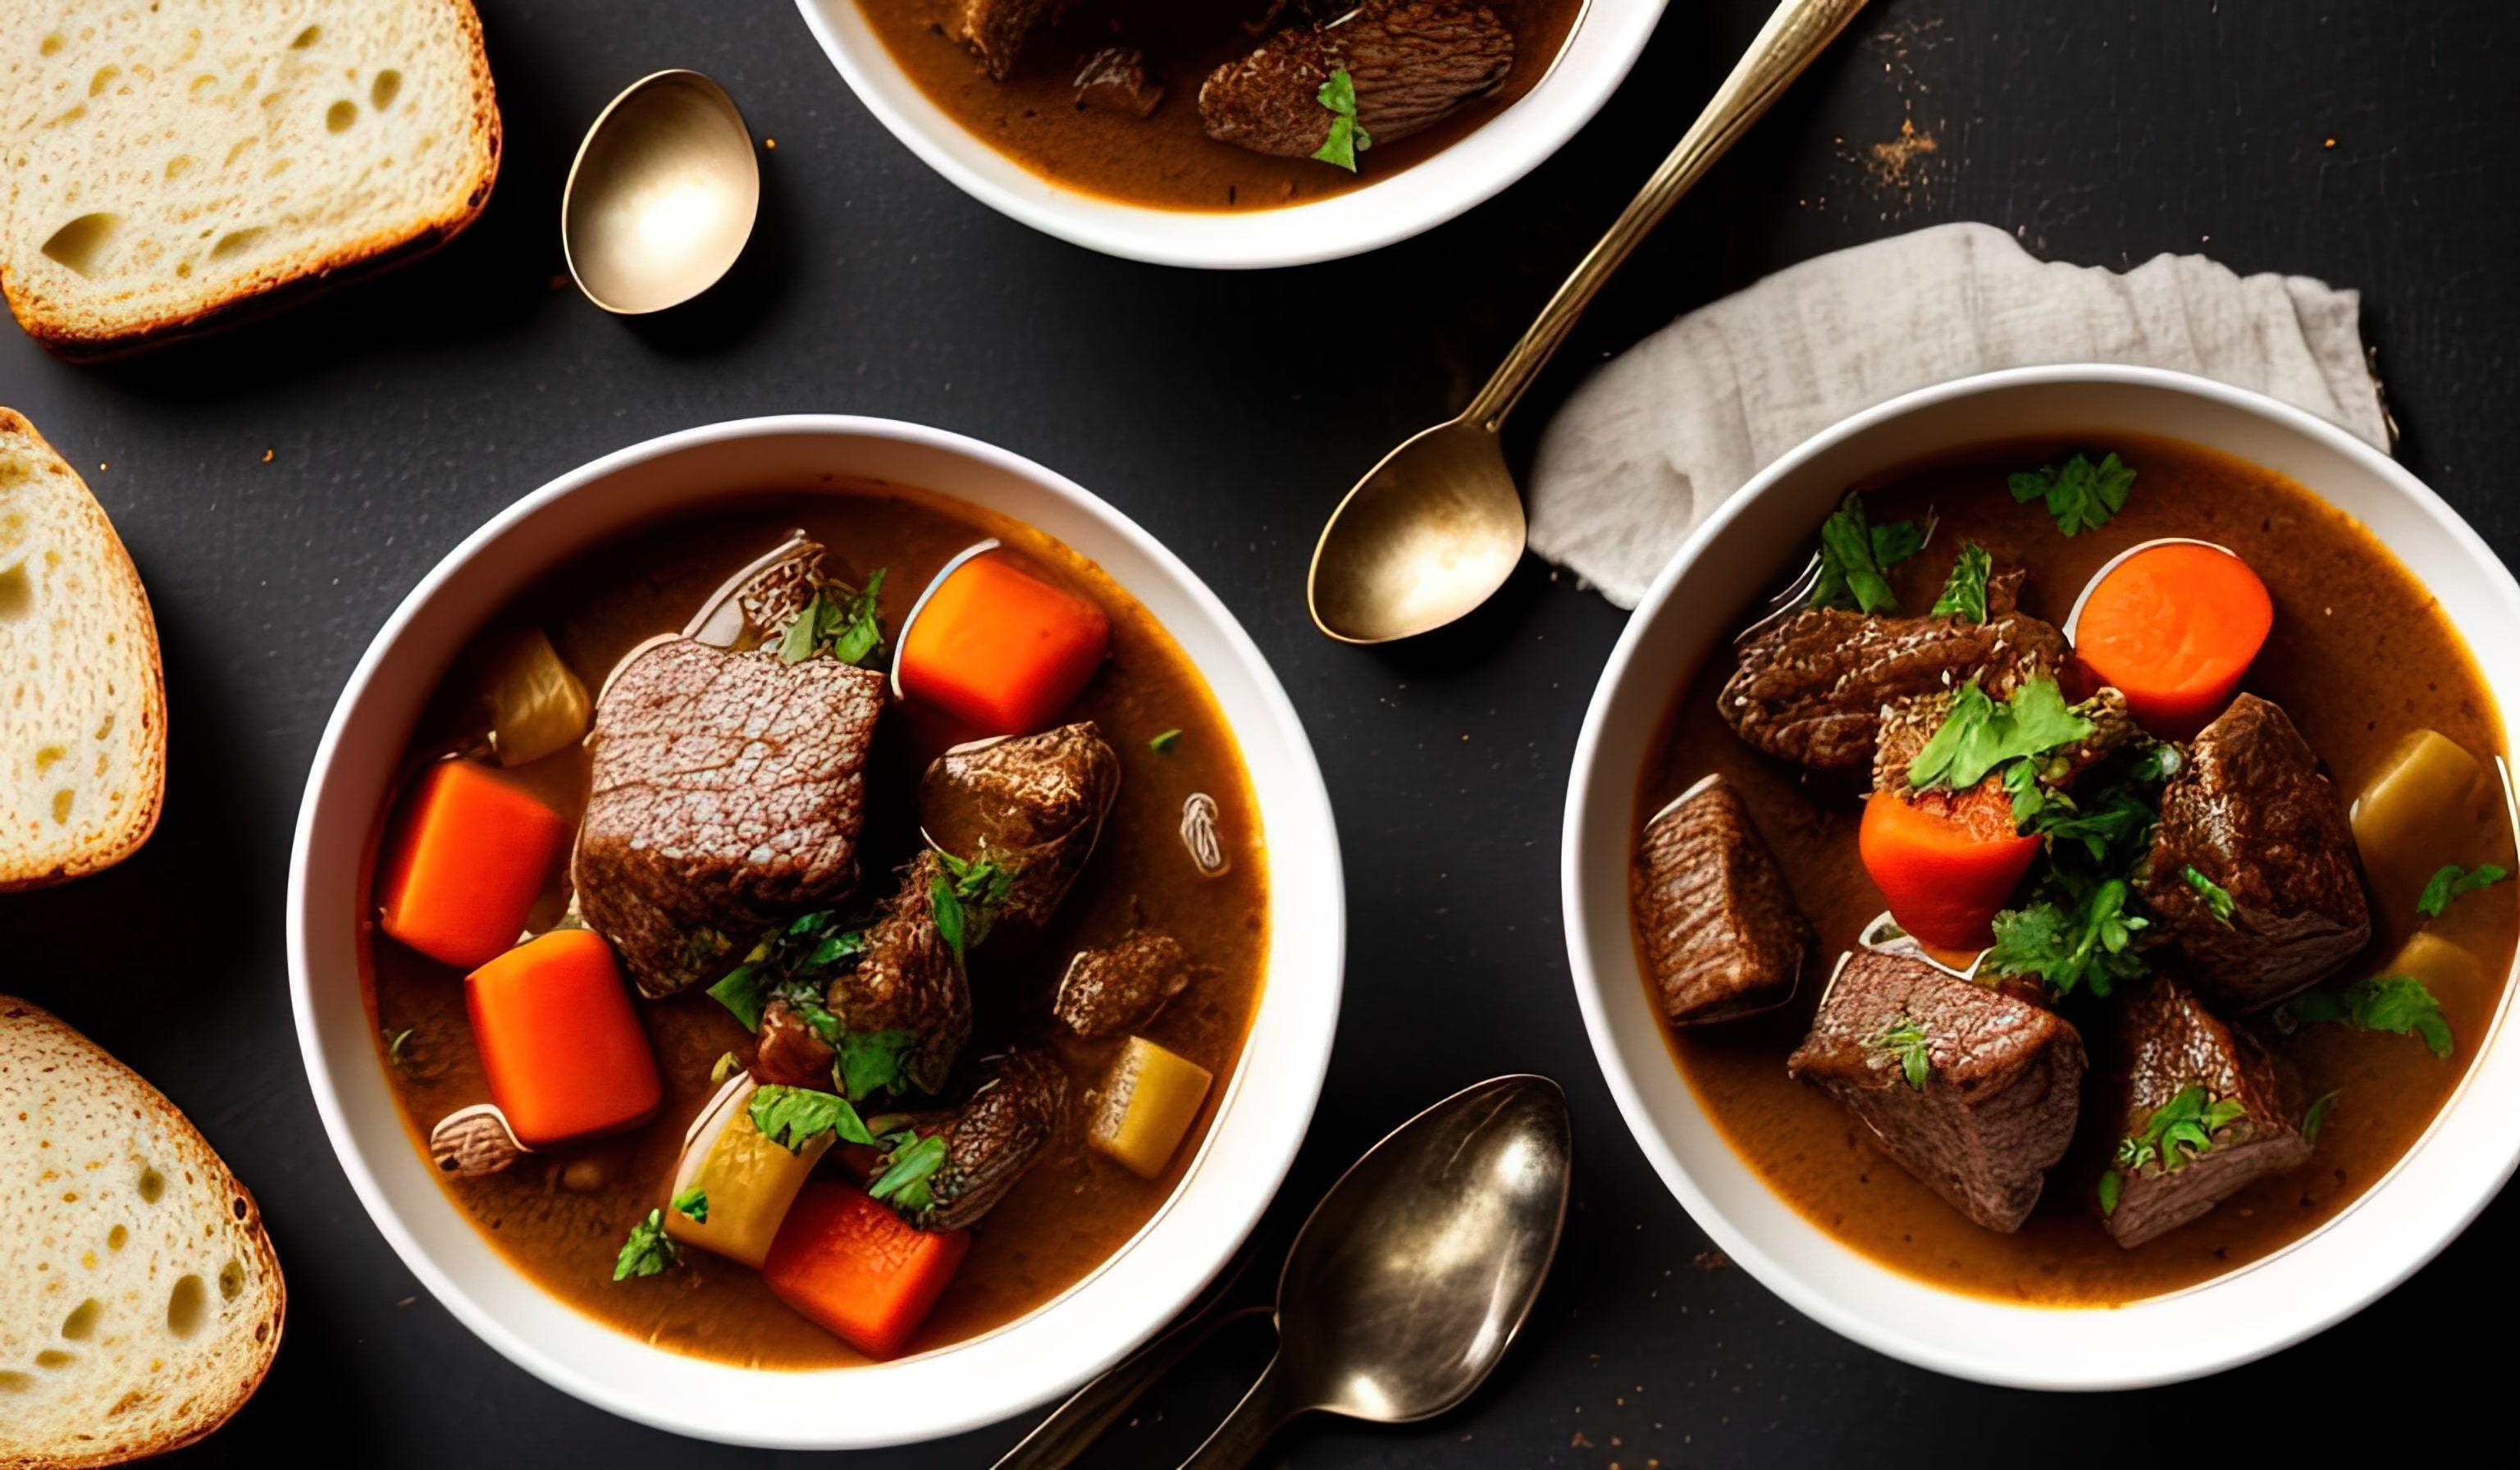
x,y
174,164
83,704
143,1303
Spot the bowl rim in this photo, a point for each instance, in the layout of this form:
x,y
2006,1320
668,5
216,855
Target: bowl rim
x,y
2444,1215
1291,1091
1514,142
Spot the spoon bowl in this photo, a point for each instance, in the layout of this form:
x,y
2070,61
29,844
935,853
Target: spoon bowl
x,y
663,196
1428,534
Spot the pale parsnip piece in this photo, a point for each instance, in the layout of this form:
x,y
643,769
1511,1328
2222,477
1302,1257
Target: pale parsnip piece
x,y
537,704
748,1180
2420,811
2446,969
1148,1104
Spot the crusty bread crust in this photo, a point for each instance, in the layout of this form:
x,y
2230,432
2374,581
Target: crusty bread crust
x,y
291,281
15,876
220,1401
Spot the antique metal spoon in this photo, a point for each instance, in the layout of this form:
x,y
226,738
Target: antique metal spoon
x,y
1435,529
663,196
1412,1276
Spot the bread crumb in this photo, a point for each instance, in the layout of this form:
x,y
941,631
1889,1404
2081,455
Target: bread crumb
x,y
266,456
769,143
2330,143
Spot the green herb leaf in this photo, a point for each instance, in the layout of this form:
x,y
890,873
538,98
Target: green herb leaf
x,y
726,1066
794,1117
648,1251
965,897
794,960
2180,1132
1346,139
796,645
908,1169
2110,1184
1964,591
396,1040
694,1202
2452,882
1165,741
2218,899
2080,494
2315,1118
1980,734
1905,1040
2071,941
839,620
2397,1004
1850,559
873,1062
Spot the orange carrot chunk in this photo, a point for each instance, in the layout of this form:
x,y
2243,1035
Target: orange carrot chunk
x,y
852,1267
465,864
560,1043
1944,862
2175,626
1000,650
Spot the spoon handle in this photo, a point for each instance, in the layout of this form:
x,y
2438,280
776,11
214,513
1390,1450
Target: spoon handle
x,y
1263,1411
1798,31
1059,1440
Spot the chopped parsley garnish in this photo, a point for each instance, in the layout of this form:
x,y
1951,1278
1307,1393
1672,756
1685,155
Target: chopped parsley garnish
x,y
649,1250
1905,1041
839,620
2110,1186
726,1066
2395,1003
1964,591
966,898
794,1117
903,1183
693,1202
2080,494
1854,557
873,1062
2178,1132
2315,1118
791,962
1347,138
1980,734
2078,929
1165,741
2452,882
2073,940
2217,898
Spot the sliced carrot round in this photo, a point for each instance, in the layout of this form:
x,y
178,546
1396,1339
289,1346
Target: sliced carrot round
x,y
2175,626
1944,863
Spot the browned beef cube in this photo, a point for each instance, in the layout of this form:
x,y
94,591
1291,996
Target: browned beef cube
x,y
1722,936
728,793
2250,811
1115,79
2168,1043
1120,988
1812,691
1413,62
996,30
1908,724
909,979
1996,1084
1032,803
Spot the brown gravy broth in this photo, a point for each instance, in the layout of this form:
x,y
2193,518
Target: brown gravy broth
x,y
1166,160
559,1218
2359,655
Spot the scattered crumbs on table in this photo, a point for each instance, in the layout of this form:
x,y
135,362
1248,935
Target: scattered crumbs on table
x,y
407,1301
558,280
1579,1442
769,143
102,465
2330,143
266,456
1712,1260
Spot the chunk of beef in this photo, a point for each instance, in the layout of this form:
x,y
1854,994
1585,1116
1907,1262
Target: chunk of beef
x,y
789,1052
1909,723
1812,690
2169,1042
2000,1098
1722,936
1034,804
1019,1109
1115,79
1413,62
2250,811
996,30
728,792
909,979
1120,988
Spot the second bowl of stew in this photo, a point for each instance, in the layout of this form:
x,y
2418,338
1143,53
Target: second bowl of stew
x,y
814,932
2037,876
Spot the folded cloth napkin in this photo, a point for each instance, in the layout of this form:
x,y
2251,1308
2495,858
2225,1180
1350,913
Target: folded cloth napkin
x,y
1654,441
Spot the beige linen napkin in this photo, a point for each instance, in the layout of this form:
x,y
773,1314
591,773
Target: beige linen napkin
x,y
1655,440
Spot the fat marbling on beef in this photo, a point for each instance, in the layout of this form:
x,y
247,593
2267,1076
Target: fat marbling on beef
x,y
1999,1099
2250,811
1722,935
2169,1042
728,793
1411,62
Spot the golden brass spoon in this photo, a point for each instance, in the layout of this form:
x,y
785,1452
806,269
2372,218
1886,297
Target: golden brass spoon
x,y
663,196
1435,529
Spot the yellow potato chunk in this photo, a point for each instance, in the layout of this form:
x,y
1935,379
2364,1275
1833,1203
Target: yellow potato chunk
x,y
537,705
1149,1102
748,1180
2418,812
2446,969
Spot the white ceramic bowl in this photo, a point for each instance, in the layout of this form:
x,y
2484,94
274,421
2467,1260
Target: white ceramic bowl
x,y
2398,1224
1606,39
1027,1363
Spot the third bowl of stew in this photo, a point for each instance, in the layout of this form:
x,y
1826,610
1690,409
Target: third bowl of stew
x,y
1274,133
814,932
2037,876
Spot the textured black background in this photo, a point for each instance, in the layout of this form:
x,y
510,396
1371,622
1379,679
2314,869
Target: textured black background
x,y
1227,413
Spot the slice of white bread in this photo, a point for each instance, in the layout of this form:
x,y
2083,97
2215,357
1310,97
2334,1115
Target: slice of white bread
x,y
82,701
172,164
142,1302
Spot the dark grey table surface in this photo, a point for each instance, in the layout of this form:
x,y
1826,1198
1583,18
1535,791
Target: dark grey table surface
x,y
1227,413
